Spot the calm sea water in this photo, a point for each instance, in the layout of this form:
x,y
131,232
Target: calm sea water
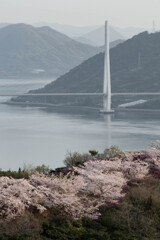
x,y
36,135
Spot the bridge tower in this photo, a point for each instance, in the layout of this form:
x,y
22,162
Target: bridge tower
x,y
107,75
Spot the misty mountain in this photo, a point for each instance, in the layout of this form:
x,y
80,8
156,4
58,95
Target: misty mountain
x,y
135,67
88,34
91,35
129,32
69,30
96,37
27,51
4,25
85,41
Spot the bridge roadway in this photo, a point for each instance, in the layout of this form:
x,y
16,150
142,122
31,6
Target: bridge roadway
x,y
77,94
49,94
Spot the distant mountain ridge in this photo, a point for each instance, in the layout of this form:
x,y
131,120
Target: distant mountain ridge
x,y
4,25
93,35
96,37
135,67
27,51
69,30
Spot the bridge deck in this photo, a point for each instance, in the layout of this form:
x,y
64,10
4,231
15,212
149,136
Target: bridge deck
x,y
76,94
49,94
136,94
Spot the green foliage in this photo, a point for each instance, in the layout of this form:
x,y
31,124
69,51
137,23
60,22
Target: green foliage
x,y
93,153
26,172
111,152
75,159
42,169
15,174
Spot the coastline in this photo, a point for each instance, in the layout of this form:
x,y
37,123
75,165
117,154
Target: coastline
x,y
80,107
50,105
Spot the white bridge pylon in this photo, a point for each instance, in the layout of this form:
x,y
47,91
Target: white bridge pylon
x,y
107,75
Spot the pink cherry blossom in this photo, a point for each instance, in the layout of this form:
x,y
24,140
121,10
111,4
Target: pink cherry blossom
x,y
79,193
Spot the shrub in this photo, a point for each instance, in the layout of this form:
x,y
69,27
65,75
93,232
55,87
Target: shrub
x,y
93,153
42,169
111,152
75,159
15,174
26,172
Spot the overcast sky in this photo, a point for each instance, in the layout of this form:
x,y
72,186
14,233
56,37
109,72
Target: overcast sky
x,y
121,13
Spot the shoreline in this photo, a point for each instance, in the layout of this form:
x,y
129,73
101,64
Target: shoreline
x,y
49,105
136,110
80,107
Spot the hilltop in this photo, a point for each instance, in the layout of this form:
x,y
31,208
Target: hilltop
x,y
27,51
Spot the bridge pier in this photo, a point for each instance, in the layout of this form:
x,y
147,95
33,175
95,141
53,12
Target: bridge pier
x,y
107,105
107,76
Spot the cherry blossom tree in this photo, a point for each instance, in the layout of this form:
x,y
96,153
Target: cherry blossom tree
x,y
79,193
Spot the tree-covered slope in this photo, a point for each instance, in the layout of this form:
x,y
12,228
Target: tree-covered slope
x,y
135,67
29,51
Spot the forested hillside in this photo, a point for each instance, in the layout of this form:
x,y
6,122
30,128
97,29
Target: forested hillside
x,y
28,51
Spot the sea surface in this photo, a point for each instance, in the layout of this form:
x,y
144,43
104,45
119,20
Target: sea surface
x,y
40,135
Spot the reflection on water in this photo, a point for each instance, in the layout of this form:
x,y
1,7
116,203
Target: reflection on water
x,y
107,119
39,135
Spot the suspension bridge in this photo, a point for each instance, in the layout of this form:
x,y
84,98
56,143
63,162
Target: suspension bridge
x,y
107,93
79,94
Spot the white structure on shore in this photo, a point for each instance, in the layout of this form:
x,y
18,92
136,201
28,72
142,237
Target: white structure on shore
x,y
107,75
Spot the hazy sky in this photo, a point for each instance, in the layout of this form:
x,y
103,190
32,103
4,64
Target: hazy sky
x,y
82,12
